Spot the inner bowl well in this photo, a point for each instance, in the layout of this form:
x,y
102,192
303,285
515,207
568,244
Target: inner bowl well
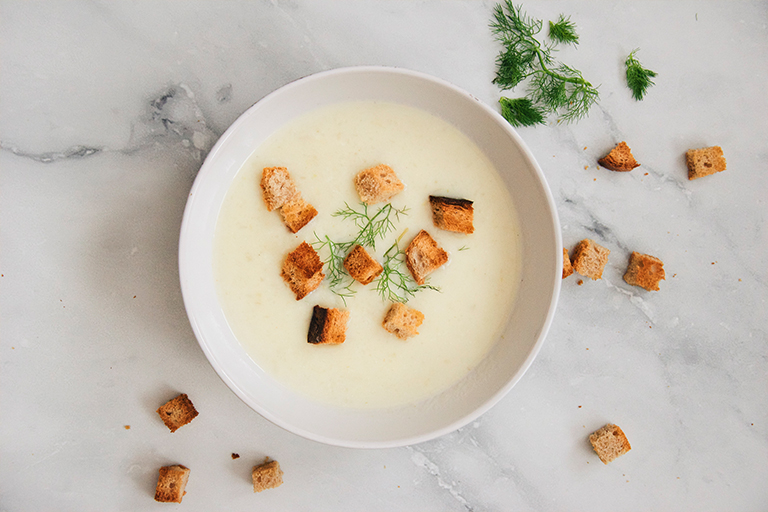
x,y
529,321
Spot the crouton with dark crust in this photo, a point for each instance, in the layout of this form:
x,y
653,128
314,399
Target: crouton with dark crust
x,y
328,326
451,214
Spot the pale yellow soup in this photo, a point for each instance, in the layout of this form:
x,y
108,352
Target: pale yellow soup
x,y
324,150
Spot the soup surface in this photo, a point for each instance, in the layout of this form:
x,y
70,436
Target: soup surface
x,y
324,150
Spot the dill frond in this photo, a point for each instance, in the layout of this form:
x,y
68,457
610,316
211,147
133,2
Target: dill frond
x,y
521,112
339,281
563,31
372,227
553,87
395,284
638,78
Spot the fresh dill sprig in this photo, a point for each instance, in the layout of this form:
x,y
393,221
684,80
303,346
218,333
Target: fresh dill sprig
x,y
563,31
339,281
463,248
373,226
553,87
394,284
638,78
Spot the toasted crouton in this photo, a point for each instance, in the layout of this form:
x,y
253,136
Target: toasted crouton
x,y
589,259
619,159
303,270
361,265
297,213
377,184
171,483
705,161
328,326
644,271
609,442
177,412
278,187
280,193
567,267
423,256
267,476
452,214
403,321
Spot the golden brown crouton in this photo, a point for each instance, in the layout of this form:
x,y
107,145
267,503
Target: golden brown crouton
x,y
278,187
361,265
328,326
609,442
267,476
303,270
177,412
452,214
171,483
644,271
423,256
567,267
705,161
280,193
403,321
589,259
377,184
297,214
619,159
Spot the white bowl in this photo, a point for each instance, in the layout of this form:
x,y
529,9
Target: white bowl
x,y
534,308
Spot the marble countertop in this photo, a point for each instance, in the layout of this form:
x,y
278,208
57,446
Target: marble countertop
x,y
107,110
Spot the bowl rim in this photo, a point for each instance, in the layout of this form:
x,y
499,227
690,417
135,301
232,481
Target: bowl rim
x,y
476,412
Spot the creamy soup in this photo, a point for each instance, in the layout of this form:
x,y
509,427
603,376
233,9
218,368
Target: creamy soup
x,y
323,150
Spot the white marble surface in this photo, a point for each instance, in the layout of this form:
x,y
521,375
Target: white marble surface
x,y
106,112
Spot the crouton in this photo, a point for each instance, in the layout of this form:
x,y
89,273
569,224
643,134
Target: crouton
x,y
452,214
619,159
177,412
278,187
361,265
403,321
303,270
567,267
705,161
589,259
377,184
423,256
644,271
297,214
280,193
267,476
609,442
171,483
328,326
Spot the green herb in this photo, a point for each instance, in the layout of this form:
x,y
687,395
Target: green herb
x,y
371,226
394,284
463,248
553,86
563,31
339,281
638,78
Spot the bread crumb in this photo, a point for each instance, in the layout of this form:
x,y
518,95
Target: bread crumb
x,y
620,159
177,412
567,267
609,442
704,162
644,271
235,456
171,482
589,259
127,427
580,282
267,476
